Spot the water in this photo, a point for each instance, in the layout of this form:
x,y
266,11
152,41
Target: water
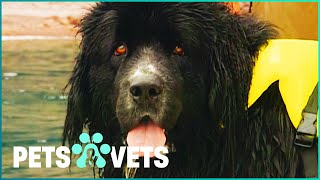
x,y
34,74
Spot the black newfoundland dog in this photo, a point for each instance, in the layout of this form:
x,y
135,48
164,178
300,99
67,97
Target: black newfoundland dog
x,y
178,74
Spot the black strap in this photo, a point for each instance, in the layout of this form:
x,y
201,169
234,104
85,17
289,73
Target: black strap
x,y
310,161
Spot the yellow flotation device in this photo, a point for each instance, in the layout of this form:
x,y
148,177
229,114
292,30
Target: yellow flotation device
x,y
295,64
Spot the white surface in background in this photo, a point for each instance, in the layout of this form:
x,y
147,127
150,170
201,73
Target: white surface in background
x,y
46,9
11,38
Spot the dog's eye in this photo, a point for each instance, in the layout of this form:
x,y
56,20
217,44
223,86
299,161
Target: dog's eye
x,y
178,51
121,50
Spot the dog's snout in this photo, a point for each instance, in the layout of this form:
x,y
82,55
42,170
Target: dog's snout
x,y
143,88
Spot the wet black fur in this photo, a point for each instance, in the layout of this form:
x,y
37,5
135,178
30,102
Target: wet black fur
x,y
253,143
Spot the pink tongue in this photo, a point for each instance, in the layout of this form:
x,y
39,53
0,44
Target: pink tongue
x,y
146,134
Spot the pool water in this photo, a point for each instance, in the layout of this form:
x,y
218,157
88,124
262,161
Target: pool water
x,y
34,74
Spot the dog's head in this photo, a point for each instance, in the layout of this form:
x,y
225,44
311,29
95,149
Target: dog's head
x,y
156,73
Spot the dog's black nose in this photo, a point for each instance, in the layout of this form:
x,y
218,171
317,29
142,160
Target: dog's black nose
x,y
145,88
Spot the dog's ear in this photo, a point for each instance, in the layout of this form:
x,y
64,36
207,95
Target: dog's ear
x,y
231,72
234,54
78,98
95,29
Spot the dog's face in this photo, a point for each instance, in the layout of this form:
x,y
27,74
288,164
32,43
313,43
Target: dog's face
x,y
148,86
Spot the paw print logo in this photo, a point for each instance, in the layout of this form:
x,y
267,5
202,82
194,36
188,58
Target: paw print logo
x,y
96,138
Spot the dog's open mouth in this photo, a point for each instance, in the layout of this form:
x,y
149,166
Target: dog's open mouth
x,y
147,134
